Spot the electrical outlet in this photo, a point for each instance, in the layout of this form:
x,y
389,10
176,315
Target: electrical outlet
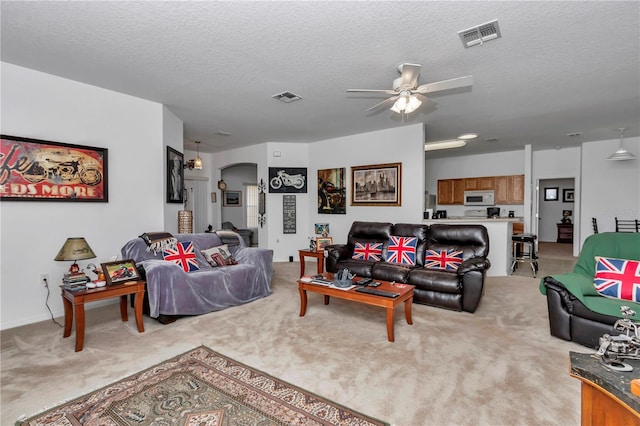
x,y
44,279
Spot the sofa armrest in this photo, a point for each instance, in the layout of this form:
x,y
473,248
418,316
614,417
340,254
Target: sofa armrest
x,y
338,252
473,264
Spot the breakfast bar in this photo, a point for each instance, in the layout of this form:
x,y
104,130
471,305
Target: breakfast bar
x,y
500,230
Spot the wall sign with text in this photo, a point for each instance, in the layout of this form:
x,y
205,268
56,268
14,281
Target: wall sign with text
x,y
38,170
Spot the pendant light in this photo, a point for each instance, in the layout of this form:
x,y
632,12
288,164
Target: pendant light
x,y
197,162
622,153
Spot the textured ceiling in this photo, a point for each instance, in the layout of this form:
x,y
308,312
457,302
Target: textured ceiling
x,y
560,67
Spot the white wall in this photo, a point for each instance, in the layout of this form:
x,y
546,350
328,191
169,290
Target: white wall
x,y
609,188
403,144
43,106
172,131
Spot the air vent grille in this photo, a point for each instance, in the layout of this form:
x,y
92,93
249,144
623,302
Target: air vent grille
x,y
480,34
287,97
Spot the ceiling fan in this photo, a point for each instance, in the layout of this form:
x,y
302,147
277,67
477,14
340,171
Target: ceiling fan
x,y
407,95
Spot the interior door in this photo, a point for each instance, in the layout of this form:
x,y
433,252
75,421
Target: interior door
x,y
197,197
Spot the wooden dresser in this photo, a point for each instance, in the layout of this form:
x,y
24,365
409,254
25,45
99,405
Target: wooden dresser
x,y
565,233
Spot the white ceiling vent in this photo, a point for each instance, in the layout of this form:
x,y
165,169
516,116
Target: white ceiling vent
x,y
478,35
287,97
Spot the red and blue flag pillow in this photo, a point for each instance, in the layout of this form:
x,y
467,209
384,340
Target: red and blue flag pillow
x,y
618,278
449,260
367,251
183,255
402,250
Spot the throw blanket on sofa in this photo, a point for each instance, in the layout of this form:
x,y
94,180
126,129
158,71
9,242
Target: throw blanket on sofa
x,y
157,241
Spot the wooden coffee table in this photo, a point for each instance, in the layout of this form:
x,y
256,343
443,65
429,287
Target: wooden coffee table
x,y
389,303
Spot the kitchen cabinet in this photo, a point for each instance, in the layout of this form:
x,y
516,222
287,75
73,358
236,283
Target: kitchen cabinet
x,y
518,228
451,191
478,183
508,189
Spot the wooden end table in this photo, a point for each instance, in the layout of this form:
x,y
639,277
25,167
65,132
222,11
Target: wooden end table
x,y
74,304
318,254
405,291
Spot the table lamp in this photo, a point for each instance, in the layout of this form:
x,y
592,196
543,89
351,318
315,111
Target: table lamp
x,y
75,249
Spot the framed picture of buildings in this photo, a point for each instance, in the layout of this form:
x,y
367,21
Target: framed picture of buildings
x,y
376,185
39,170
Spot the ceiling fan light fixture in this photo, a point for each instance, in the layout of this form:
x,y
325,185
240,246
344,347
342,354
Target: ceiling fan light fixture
x,y
622,153
414,104
447,144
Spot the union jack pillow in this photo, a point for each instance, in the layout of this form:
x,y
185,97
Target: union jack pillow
x,y
449,260
367,251
183,255
402,250
618,278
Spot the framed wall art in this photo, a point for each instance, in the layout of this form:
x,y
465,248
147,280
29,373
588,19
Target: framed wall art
x,y
287,180
39,170
175,176
332,191
551,194
120,271
376,185
231,198
568,195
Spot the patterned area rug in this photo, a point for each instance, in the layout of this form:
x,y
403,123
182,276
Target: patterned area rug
x,y
200,387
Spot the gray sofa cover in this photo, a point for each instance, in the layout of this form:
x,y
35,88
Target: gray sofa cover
x,y
171,291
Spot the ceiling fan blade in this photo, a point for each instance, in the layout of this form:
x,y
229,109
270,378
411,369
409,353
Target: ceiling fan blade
x,y
453,83
387,102
410,75
387,91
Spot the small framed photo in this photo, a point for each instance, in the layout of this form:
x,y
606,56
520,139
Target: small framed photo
x,y
568,195
322,242
551,194
120,271
231,198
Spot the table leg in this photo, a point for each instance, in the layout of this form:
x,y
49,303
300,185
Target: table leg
x,y
79,313
320,264
326,300
407,310
68,316
123,308
390,324
138,310
303,302
301,264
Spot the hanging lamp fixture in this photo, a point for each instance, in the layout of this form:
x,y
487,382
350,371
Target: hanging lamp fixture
x,y
622,153
197,162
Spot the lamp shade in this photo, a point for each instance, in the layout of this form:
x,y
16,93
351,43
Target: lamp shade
x,y
75,248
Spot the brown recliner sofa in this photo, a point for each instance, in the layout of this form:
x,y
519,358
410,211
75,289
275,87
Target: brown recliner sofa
x,y
459,290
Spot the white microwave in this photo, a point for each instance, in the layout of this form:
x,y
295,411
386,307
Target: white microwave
x,y
479,198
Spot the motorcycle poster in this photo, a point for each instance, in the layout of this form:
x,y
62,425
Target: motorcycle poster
x,y
37,170
287,180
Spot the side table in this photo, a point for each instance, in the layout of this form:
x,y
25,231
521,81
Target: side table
x,y
318,254
74,304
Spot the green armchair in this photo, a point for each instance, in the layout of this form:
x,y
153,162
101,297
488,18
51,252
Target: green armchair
x,y
576,311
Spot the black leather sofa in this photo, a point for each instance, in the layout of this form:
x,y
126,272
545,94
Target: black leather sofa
x,y
459,290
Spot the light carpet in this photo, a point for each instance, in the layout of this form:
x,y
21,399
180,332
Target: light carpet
x,y
498,366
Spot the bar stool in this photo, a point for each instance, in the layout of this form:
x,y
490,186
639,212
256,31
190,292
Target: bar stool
x,y
523,249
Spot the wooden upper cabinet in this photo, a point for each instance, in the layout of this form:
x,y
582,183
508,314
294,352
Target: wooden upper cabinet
x,y
458,191
516,189
479,183
502,189
509,189
451,191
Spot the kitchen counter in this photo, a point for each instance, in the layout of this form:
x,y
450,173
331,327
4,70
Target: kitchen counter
x,y
500,231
